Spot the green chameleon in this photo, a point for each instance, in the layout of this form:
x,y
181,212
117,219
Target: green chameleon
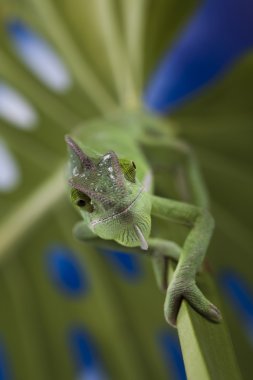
x,y
112,184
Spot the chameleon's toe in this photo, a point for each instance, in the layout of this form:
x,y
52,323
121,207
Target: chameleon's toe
x,y
191,293
201,304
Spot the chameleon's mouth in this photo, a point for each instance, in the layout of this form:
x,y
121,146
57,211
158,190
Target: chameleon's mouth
x,y
104,220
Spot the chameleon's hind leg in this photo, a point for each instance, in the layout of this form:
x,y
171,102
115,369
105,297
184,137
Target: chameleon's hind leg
x,y
191,186
199,194
192,254
183,283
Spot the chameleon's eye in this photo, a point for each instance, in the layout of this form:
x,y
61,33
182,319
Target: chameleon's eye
x,y
129,168
80,203
81,200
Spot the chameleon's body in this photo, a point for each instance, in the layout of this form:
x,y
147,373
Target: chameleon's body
x,y
111,183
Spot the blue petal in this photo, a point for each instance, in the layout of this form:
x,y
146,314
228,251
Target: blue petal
x,y
16,109
128,265
85,355
66,271
240,295
218,34
4,364
172,355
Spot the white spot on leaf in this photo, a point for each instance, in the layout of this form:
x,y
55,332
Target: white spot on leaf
x,y
39,56
9,171
15,109
92,374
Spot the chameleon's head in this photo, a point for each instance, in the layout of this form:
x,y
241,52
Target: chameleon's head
x,y
108,195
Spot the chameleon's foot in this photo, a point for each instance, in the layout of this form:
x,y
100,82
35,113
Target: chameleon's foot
x,y
189,291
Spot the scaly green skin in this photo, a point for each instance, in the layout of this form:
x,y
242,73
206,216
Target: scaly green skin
x,y
111,183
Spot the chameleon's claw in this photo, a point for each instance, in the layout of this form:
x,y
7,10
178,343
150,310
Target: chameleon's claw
x,y
191,293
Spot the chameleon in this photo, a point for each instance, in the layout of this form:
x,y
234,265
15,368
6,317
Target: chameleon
x,y
112,184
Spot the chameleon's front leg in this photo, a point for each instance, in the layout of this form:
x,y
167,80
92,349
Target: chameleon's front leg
x,y
183,284
162,251
82,232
